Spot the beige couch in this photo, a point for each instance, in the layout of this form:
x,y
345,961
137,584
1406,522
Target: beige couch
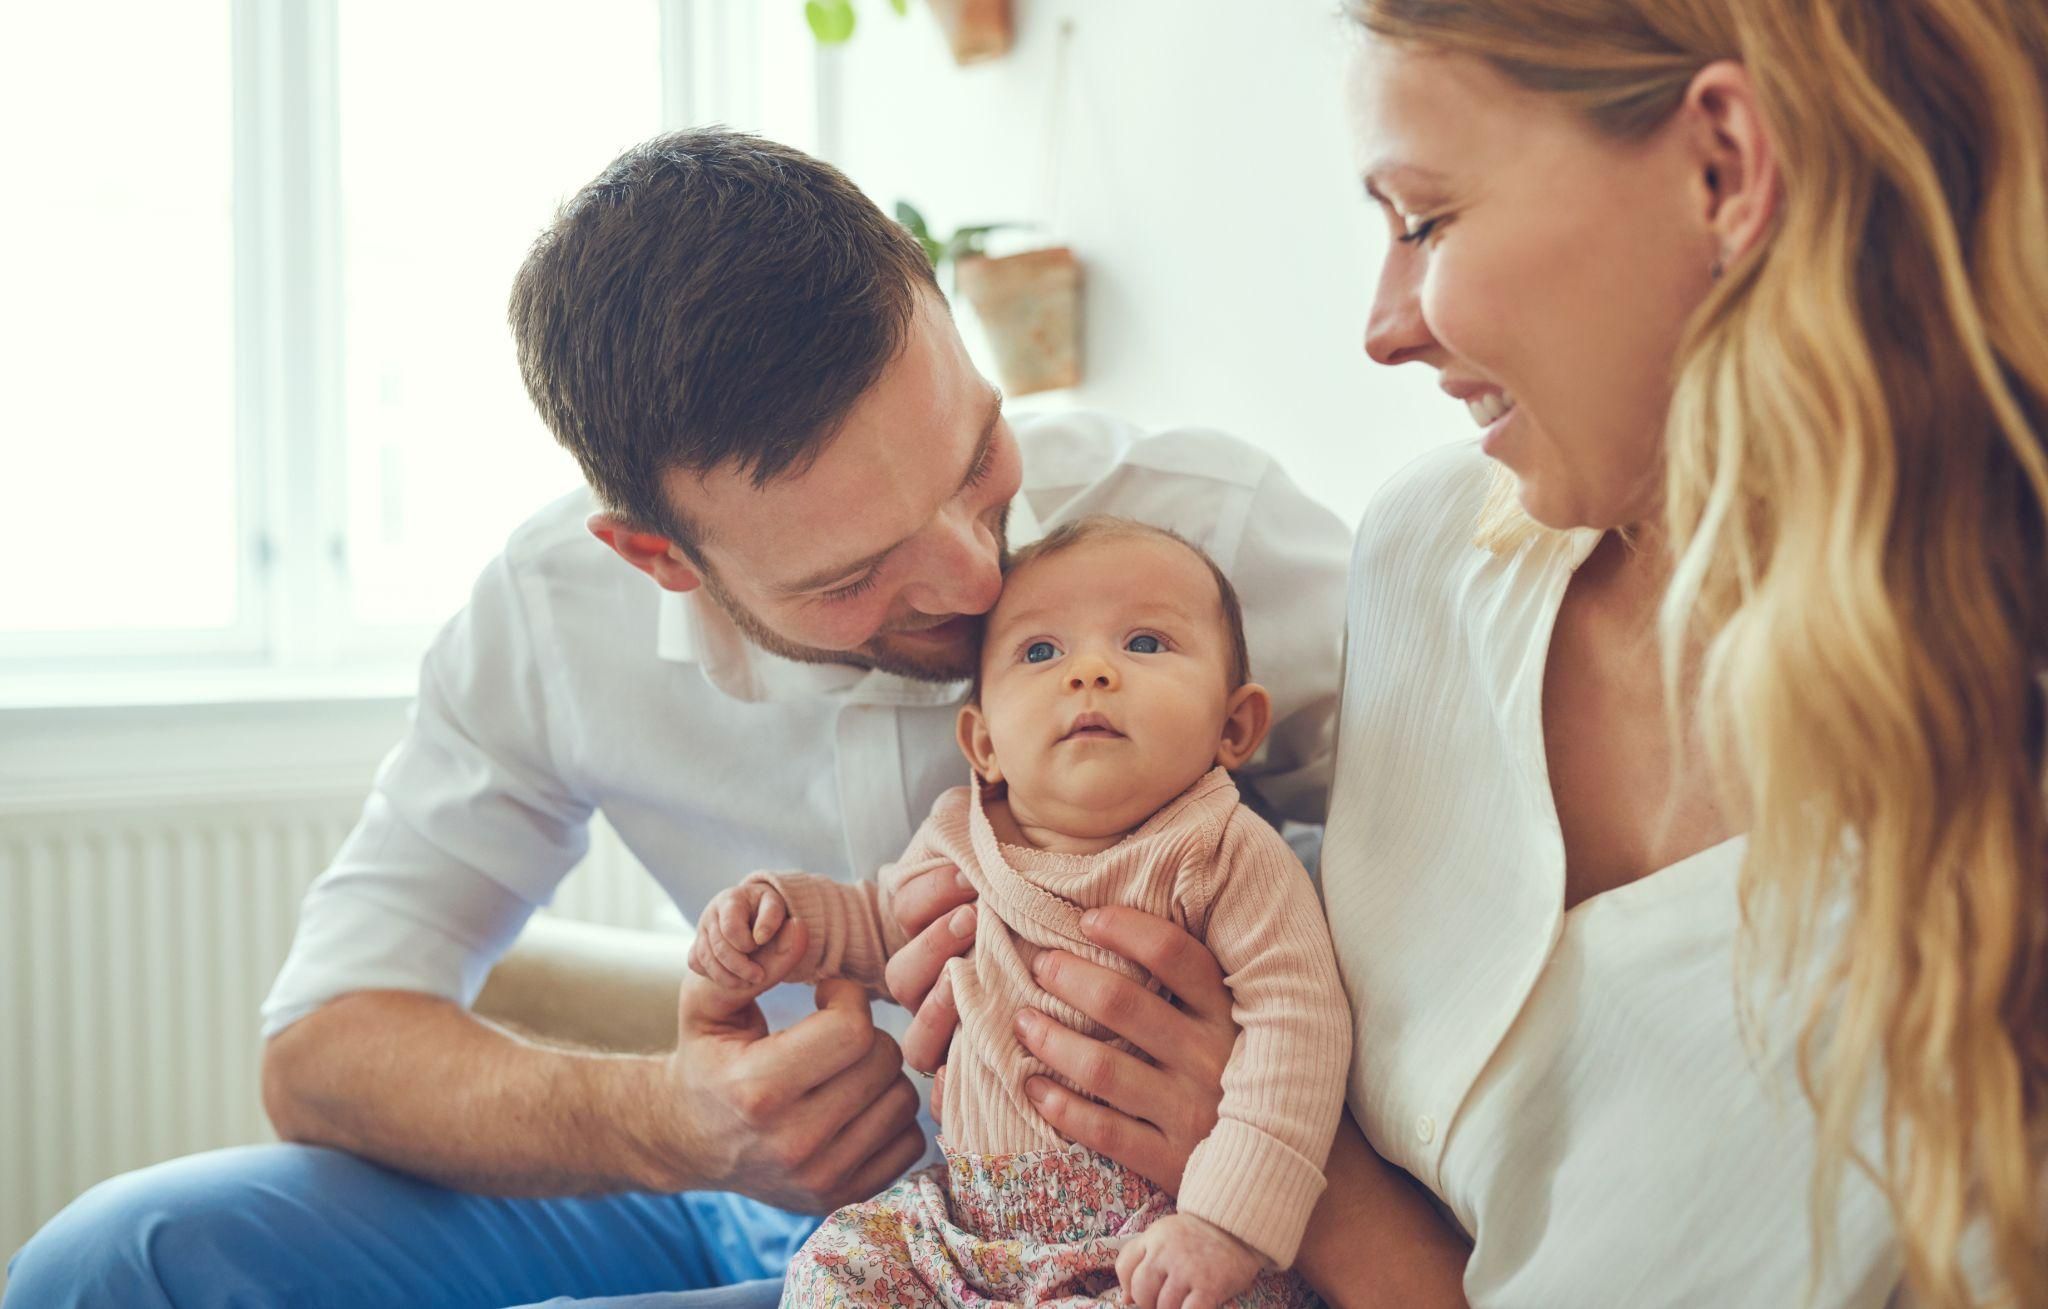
x,y
603,988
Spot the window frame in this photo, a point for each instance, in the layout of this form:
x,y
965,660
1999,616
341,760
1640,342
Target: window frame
x,y
293,621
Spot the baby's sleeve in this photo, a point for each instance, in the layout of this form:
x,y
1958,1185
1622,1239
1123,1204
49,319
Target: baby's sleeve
x,y
1259,1172
853,930
845,924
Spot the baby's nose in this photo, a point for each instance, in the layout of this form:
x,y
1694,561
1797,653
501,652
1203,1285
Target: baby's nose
x,y
1091,672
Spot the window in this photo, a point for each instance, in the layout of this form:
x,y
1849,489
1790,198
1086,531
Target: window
x,y
447,168
264,408
119,507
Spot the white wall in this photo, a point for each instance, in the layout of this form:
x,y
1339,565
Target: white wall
x,y
1196,158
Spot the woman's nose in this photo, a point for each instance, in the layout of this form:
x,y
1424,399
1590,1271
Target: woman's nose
x,y
1394,331
1091,672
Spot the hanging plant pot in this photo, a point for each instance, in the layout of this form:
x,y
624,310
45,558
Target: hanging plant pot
x,y
976,29
1030,305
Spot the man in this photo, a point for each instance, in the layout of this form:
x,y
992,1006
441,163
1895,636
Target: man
x,y
782,432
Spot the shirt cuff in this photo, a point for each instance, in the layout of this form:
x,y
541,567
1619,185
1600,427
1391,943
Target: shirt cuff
x,y
839,947
1253,1186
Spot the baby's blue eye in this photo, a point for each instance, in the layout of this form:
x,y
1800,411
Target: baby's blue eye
x,y
1039,651
1144,645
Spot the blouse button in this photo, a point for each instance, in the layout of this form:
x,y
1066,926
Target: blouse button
x,y
1425,1129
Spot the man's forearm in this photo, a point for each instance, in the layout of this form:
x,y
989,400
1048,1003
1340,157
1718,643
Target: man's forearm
x,y
1375,1240
414,1082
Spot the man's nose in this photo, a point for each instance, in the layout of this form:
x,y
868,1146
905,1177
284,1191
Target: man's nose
x,y
1091,672
972,568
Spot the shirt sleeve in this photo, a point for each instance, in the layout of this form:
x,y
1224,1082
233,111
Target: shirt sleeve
x,y
1259,1172
469,826
853,928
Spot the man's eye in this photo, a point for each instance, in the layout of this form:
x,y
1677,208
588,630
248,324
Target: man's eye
x,y
1142,644
853,590
1039,651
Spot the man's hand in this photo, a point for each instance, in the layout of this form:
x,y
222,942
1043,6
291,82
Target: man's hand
x,y
1185,1262
809,1118
1147,1116
935,908
738,921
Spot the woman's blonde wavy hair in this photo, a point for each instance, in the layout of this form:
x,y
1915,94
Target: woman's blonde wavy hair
x,y
1856,492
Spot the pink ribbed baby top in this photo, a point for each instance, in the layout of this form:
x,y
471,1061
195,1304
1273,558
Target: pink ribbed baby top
x,y
1209,864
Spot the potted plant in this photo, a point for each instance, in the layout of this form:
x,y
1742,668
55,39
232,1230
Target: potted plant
x,y
975,29
833,21
1029,304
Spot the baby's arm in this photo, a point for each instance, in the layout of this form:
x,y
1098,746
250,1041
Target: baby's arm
x,y
1260,1170
851,928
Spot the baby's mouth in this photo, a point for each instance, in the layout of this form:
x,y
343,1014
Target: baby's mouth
x,y
1092,726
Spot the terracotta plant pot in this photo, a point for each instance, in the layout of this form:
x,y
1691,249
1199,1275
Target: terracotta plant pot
x,y
976,29
1030,305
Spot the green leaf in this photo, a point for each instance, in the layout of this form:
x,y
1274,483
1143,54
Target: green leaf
x,y
906,214
973,240
831,20
901,7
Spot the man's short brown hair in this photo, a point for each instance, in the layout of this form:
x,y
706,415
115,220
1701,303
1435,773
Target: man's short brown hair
x,y
1096,527
711,298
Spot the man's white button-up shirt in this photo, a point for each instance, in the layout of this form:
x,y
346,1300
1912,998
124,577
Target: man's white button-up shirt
x,y
571,684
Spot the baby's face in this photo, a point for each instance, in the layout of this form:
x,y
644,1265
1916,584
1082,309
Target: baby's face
x,y
1105,682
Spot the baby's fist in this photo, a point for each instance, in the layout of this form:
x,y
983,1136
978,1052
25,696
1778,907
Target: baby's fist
x,y
1185,1262
736,923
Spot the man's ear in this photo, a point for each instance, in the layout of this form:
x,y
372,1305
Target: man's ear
x,y
650,552
976,745
1246,716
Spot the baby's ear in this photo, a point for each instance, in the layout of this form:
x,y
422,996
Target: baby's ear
x,y
976,745
1246,716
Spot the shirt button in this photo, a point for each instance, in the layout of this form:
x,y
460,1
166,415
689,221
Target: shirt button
x,y
1425,1129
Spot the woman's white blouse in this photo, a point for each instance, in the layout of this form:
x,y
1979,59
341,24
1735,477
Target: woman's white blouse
x,y
1574,1087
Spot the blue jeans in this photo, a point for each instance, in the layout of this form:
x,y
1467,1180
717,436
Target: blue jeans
x,y
301,1225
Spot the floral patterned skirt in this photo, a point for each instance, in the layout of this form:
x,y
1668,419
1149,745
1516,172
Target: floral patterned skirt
x,y
1040,1228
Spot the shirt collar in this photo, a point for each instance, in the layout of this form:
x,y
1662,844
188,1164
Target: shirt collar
x,y
692,629
1579,544
1024,527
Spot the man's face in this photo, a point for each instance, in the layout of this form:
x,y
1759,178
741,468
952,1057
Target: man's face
x,y
886,551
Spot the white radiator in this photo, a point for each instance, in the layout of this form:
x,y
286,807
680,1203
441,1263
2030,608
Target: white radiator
x,y
136,944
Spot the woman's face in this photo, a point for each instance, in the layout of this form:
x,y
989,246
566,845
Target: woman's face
x,y
1541,266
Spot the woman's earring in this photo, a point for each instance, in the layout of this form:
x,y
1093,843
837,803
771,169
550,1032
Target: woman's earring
x,y
1719,267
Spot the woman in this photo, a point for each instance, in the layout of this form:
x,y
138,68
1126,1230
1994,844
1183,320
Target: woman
x,y
1712,770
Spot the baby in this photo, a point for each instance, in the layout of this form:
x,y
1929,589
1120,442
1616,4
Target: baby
x,y
1114,697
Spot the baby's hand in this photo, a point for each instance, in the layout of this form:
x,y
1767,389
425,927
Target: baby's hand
x,y
1185,1262
736,923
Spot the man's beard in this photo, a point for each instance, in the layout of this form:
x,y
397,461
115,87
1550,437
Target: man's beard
x,y
881,651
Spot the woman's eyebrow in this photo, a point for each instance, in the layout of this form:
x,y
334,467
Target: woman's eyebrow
x,y
1377,175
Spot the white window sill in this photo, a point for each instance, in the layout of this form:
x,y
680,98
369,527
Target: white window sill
x,y
165,688
194,736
